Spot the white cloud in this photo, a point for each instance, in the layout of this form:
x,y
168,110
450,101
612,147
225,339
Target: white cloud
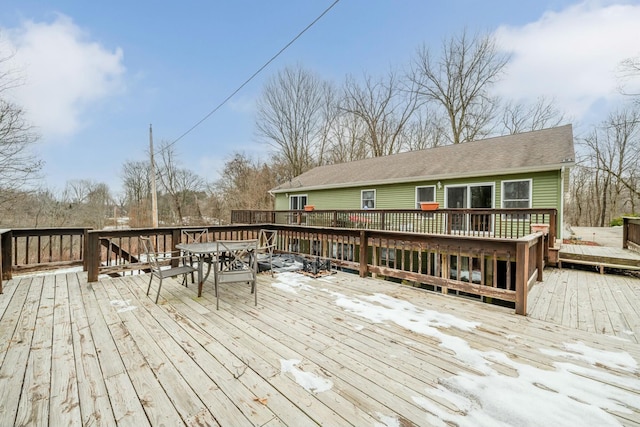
x,y
64,73
572,55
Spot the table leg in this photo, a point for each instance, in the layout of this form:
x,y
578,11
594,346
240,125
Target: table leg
x,y
200,280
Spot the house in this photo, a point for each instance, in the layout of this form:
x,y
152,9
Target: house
x,y
527,170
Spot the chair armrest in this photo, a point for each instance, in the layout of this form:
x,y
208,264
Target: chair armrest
x,y
168,256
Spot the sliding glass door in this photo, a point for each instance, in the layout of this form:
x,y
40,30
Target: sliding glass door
x,y
474,196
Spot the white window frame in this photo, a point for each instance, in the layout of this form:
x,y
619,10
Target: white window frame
x,y
362,198
502,198
416,194
468,186
468,196
297,196
502,192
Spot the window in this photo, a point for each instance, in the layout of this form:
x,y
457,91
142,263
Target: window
x,y
368,199
516,194
474,196
297,202
425,194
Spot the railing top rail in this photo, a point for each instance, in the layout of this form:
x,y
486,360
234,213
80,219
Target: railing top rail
x,y
474,210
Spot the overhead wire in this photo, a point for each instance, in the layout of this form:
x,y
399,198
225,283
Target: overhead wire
x,y
265,65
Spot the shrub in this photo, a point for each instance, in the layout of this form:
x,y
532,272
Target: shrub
x,y
616,222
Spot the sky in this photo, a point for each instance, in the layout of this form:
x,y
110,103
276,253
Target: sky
x,y
97,75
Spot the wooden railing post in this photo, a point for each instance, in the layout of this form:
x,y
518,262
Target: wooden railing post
x,y
553,225
83,243
522,271
176,235
7,251
542,246
625,232
364,244
92,256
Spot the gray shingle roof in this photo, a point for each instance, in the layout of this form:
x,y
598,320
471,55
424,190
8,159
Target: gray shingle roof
x,y
543,150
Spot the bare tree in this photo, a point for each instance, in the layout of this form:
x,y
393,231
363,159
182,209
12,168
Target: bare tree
x,y
384,106
426,130
520,117
180,185
18,165
136,183
347,140
244,184
615,151
292,115
460,81
90,203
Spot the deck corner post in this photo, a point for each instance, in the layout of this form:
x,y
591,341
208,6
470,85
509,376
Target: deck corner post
x,y
625,232
6,246
553,227
93,256
85,250
364,244
522,271
543,246
176,235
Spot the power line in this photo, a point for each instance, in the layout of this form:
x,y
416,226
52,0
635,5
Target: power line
x,y
266,64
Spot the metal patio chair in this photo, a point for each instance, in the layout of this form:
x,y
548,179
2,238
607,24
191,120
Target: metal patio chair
x,y
242,265
160,265
267,243
197,235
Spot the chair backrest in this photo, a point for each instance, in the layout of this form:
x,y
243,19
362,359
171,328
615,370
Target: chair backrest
x,y
150,251
267,240
198,235
240,255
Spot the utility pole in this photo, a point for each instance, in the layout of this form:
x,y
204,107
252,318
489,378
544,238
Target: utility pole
x,y
154,196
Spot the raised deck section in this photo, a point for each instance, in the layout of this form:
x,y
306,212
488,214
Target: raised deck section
x,y
338,350
599,257
606,304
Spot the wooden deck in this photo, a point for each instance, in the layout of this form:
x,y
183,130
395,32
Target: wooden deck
x,y
599,257
607,304
333,351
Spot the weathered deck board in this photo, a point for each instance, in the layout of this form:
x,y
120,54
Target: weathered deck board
x,y
600,256
110,355
606,304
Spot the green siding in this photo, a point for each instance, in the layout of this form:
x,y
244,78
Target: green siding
x,y
546,192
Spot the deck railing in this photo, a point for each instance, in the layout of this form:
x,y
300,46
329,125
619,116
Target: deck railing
x,y
631,233
503,269
487,268
489,223
41,248
119,251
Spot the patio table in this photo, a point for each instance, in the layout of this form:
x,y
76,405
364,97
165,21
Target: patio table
x,y
208,253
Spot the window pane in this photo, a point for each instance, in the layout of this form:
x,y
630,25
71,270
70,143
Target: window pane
x,y
297,202
368,199
426,194
516,190
481,196
457,197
